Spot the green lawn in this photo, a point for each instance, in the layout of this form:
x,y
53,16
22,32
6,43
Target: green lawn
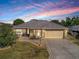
x,y
24,50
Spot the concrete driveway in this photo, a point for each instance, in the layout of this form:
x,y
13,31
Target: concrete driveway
x,y
62,49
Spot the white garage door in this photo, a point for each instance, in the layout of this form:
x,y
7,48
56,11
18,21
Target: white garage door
x,y
54,34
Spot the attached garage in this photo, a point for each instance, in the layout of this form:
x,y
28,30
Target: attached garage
x,y
54,34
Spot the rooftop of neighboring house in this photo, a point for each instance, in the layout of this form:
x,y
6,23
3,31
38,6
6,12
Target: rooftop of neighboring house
x,y
1,23
74,28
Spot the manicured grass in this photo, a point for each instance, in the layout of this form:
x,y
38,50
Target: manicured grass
x,y
73,39
24,50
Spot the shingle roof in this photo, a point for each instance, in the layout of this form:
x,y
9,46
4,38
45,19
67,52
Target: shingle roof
x,y
20,26
74,28
40,24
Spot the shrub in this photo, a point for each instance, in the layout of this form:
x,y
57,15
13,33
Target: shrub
x,y
7,36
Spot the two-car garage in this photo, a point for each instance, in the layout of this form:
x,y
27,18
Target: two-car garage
x,y
54,34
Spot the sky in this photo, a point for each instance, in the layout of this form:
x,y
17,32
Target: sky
x,y
37,9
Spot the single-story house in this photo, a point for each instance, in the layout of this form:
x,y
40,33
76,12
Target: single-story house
x,y
42,29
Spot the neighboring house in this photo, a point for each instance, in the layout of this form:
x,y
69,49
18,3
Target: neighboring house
x,y
74,30
1,23
42,29
6,24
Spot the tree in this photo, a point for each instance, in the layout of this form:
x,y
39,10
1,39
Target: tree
x,y
7,36
55,21
70,21
18,21
63,22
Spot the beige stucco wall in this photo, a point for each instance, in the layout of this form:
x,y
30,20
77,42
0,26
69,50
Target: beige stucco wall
x,y
31,33
27,31
43,33
36,33
20,31
65,33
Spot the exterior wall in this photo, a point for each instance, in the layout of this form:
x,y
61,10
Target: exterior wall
x,y
20,31
49,33
43,33
36,33
65,33
28,31
31,32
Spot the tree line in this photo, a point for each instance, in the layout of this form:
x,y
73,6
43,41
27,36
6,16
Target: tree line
x,y
68,21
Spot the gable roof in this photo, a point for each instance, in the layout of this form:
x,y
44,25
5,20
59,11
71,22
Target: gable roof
x,y
40,24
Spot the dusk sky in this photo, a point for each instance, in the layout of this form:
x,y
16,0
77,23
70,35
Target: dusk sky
x,y
37,9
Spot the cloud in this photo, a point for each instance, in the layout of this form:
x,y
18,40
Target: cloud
x,y
51,5
41,7
20,8
44,6
48,8
9,21
53,13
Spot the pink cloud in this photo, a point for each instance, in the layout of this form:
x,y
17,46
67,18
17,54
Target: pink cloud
x,y
48,9
55,12
42,7
50,5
